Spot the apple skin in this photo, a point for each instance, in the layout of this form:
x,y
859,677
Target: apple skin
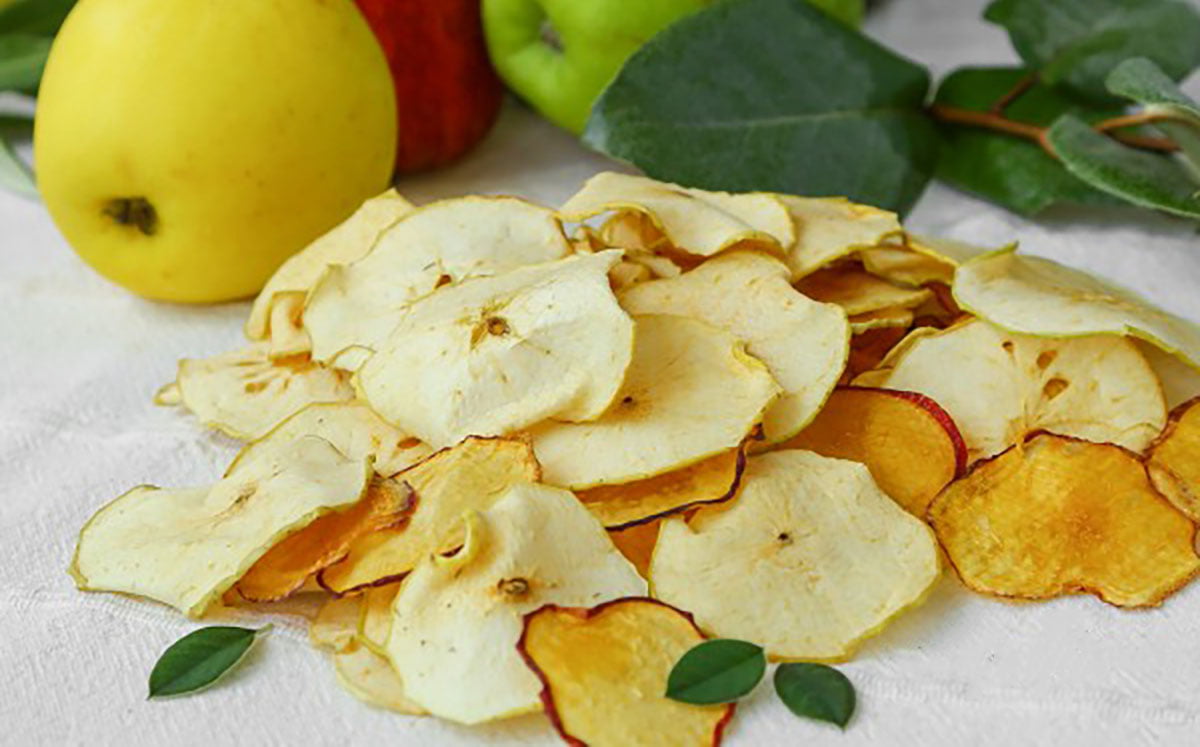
x,y
447,93
559,55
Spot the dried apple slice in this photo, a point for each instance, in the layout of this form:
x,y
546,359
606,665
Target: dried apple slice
x,y
457,619
356,305
815,555
889,318
355,430
336,623
1174,460
947,250
803,343
869,349
375,623
1180,381
858,291
713,480
283,570
626,274
695,221
999,387
245,394
829,229
1058,516
495,355
187,547
346,243
907,441
903,266
636,542
691,392
1038,296
370,677
470,476
288,338
604,672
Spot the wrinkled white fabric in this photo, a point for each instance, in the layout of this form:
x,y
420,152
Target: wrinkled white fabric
x,y
80,359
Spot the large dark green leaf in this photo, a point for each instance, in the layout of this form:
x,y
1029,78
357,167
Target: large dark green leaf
x,y
717,671
39,17
1003,168
200,658
771,95
816,691
1147,179
22,57
1078,42
849,12
1142,81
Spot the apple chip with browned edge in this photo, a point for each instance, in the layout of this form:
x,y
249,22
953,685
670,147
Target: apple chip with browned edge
x,y
604,674
816,556
457,619
1174,460
187,547
908,442
1058,516
469,476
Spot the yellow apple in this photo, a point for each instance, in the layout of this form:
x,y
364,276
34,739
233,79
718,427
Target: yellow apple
x,y
185,148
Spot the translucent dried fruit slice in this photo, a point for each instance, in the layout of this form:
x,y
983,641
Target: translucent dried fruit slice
x,y
187,547
1058,516
693,220
355,430
950,251
375,623
909,443
347,242
1180,381
370,677
288,337
1000,387
904,266
889,318
1174,460
803,343
457,619
713,480
829,229
287,565
858,291
816,556
604,672
336,623
470,476
168,395
245,394
691,392
636,542
356,305
1038,296
495,355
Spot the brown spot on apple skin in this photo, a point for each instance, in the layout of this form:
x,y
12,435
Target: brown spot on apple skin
x,y
135,212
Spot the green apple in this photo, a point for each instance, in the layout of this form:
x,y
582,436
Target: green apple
x,y
560,54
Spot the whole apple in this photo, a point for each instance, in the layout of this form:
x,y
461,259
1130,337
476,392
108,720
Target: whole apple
x,y
560,54
447,93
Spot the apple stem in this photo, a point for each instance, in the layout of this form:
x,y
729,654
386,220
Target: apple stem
x,y
133,211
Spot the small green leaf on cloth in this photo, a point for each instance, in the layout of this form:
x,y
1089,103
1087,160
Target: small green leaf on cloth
x,y
200,658
816,691
716,671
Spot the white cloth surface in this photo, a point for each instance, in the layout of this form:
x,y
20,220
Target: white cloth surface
x,y
79,360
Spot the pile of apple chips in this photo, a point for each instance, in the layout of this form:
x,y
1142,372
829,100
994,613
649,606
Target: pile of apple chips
x,y
530,467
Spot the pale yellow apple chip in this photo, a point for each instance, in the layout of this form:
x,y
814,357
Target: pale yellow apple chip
x,y
1058,516
999,387
829,229
288,337
470,476
1174,461
457,619
375,623
336,623
713,480
355,430
168,395
695,221
950,251
187,547
369,676
893,317
858,291
803,343
810,559
626,274
1180,381
245,394
643,244
1037,296
495,355
604,672
347,242
904,266
691,392
357,305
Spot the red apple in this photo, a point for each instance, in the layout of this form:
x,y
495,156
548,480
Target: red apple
x,y
447,93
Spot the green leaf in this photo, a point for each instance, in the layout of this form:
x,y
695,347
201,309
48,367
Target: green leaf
x,y
849,12
1143,81
200,658
15,176
1154,181
815,691
1002,168
771,95
1077,42
39,17
22,57
716,671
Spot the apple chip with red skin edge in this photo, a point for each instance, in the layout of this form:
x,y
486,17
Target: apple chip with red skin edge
x,y
604,672
907,441
1057,516
1174,460
829,229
